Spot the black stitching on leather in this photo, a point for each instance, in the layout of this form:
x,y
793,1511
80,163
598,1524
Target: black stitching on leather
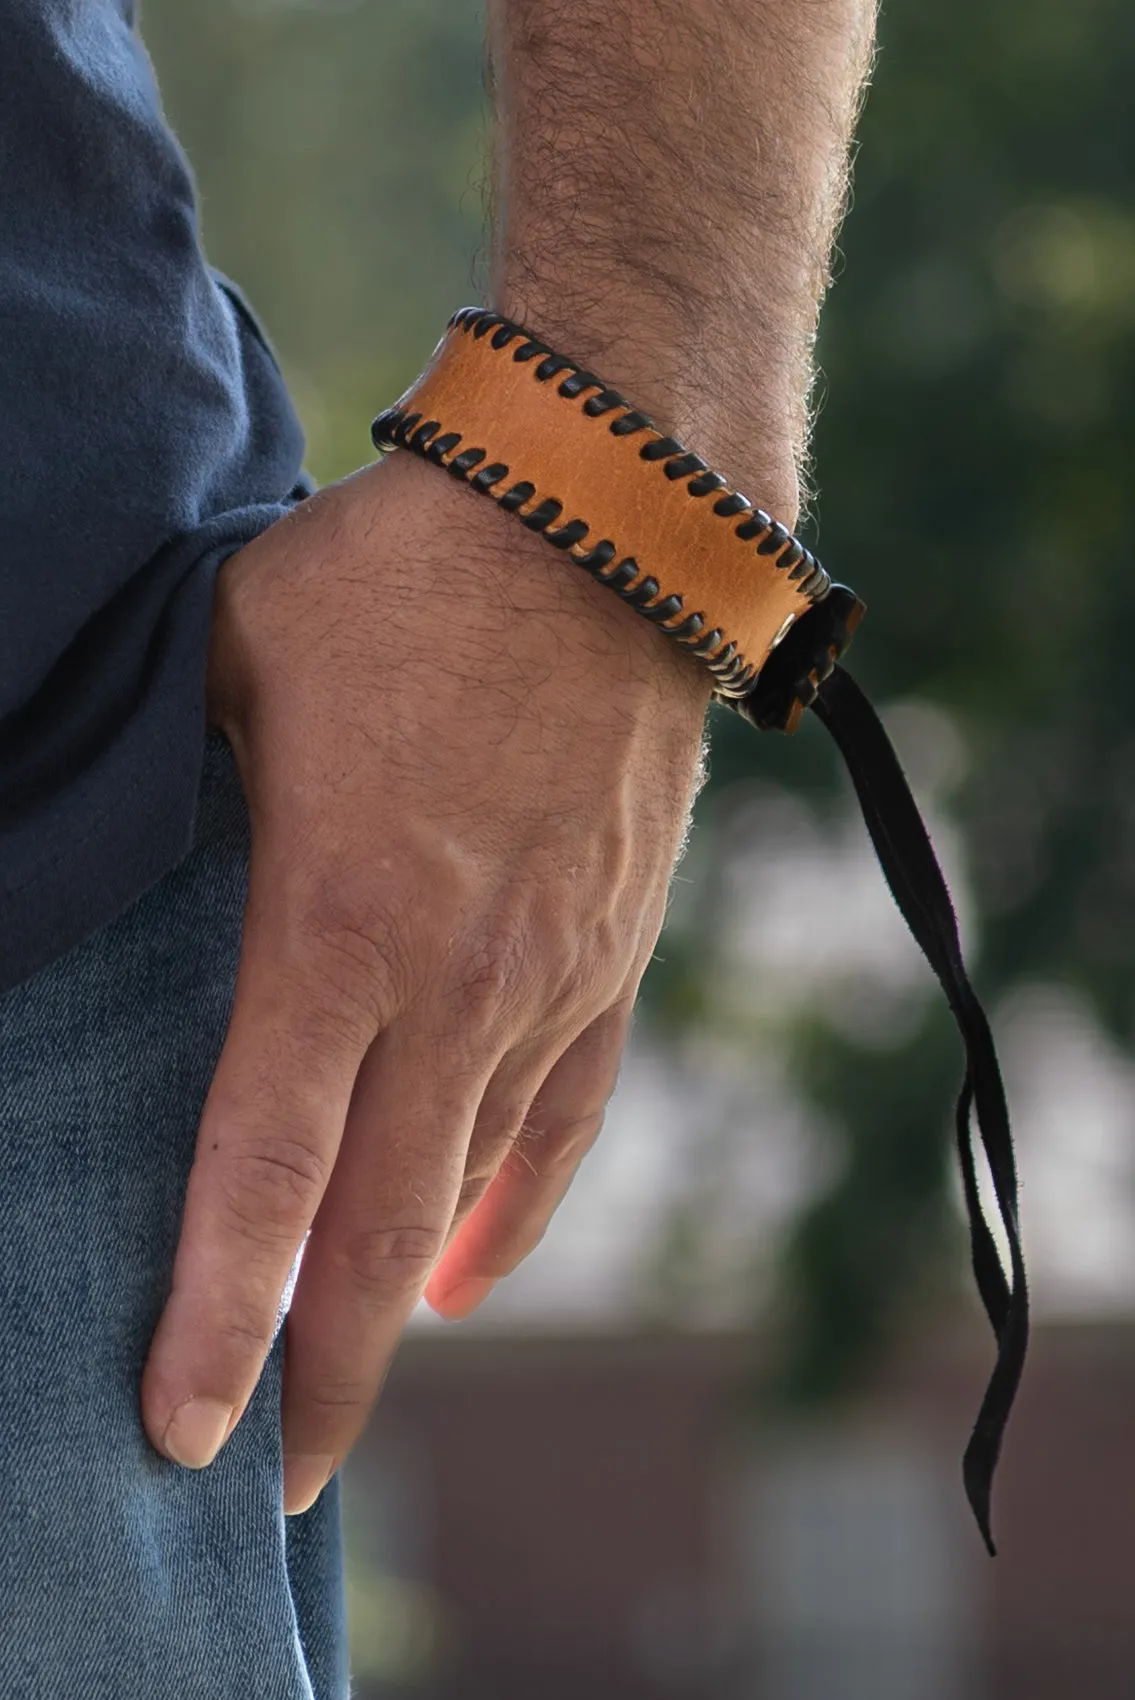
x,y
544,515
461,465
489,475
705,483
660,448
570,534
778,536
603,403
668,609
682,465
643,593
517,496
578,382
729,505
551,365
621,577
440,446
750,528
635,420
596,559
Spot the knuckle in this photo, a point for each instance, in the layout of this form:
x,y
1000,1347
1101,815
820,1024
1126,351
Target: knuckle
x,y
582,964
334,1396
492,971
514,1246
245,1329
328,1018
271,1187
388,1264
550,1148
500,1119
610,951
473,1189
358,945
563,1142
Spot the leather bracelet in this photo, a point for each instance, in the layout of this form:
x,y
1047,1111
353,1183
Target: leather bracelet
x,y
572,459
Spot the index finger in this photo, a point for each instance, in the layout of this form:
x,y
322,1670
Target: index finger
x,y
269,1135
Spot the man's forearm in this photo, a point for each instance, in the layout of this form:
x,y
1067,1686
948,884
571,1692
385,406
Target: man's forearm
x,y
667,178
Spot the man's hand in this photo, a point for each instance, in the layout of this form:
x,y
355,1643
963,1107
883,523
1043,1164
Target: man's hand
x,y
468,769
469,772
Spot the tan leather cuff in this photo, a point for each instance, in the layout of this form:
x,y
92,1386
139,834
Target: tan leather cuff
x,y
575,461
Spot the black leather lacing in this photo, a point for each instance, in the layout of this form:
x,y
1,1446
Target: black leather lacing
x,y
804,669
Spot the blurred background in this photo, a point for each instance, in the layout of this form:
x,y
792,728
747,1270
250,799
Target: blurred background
x,y
706,1444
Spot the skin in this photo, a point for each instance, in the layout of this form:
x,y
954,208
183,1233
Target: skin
x,y
469,769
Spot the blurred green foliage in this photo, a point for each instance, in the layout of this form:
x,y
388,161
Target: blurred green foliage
x,y
337,146
975,456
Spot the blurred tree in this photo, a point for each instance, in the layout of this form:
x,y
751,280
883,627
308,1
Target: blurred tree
x,y
975,454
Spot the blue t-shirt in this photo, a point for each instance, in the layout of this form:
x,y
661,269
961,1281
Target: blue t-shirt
x,y
145,434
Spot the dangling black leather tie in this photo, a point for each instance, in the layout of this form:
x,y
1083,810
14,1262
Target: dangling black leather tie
x,y
802,673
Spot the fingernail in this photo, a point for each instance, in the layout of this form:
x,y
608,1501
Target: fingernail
x,y
465,1297
196,1432
306,1474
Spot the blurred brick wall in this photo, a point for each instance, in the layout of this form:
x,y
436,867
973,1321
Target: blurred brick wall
x,y
576,1507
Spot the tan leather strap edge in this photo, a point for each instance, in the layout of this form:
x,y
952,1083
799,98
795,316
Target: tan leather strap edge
x,y
721,578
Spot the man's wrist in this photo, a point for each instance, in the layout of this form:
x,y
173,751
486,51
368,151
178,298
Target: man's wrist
x,y
540,589
549,441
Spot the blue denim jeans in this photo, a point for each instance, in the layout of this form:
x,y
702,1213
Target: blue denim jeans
x,y
122,1576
